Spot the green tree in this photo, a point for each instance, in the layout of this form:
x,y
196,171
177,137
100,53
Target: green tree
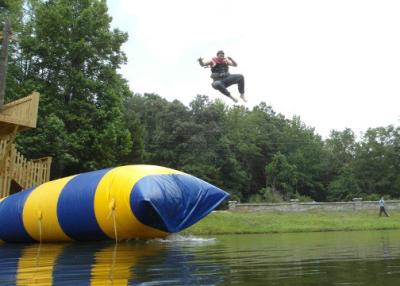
x,y
69,54
343,183
282,176
341,147
133,103
304,149
377,161
10,18
344,186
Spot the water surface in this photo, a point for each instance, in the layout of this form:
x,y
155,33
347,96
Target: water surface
x,y
333,258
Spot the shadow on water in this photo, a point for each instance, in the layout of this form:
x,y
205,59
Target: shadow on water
x,y
129,263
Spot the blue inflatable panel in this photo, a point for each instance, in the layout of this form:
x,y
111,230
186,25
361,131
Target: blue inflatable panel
x,y
171,203
12,228
75,208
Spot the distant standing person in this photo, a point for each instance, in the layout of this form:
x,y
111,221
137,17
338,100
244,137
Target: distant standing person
x,y
382,207
221,77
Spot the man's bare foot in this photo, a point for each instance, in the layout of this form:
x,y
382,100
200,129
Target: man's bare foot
x,y
233,98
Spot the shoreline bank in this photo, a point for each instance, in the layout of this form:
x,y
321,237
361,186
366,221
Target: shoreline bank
x,y
227,222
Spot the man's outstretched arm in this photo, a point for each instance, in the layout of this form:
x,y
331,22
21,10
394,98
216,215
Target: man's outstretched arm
x,y
204,64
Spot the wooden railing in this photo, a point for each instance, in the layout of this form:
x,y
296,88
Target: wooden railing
x,y
14,166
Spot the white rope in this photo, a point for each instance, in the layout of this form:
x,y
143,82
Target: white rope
x,y
115,226
112,207
40,216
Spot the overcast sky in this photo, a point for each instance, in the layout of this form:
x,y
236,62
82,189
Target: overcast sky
x,y
336,63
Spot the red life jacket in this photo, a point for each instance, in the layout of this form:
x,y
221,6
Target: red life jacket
x,y
218,60
220,67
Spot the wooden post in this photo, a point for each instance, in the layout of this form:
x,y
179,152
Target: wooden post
x,y
7,149
4,59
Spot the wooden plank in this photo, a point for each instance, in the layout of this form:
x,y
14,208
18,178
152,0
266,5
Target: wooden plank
x,y
9,144
21,112
2,194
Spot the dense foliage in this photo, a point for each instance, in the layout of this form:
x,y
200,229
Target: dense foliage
x,y
89,119
259,155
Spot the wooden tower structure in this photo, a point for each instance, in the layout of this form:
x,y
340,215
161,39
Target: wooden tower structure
x,y
17,116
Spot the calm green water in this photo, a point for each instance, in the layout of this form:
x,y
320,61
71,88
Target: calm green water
x,y
339,258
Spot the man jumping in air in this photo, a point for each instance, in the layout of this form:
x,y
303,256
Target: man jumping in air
x,y
221,77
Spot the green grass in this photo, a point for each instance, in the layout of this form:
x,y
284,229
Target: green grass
x,y
225,222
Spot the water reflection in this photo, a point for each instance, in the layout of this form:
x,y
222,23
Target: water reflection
x,y
337,258
131,263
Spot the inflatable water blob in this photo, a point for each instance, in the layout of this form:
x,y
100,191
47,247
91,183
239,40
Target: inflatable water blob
x,y
136,201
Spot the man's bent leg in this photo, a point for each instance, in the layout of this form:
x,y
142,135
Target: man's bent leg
x,y
234,79
219,85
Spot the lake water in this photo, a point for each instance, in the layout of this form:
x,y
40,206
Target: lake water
x,y
335,258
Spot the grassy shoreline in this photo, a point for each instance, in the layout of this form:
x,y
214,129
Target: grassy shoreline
x,y
225,222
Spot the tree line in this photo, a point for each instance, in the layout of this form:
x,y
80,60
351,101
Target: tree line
x,y
89,119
